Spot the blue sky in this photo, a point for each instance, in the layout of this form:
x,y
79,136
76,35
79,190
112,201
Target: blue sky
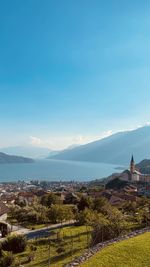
x,y
72,71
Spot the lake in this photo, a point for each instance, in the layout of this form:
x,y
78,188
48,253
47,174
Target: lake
x,y
55,170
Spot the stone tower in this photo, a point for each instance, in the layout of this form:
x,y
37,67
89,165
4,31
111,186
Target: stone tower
x,y
132,165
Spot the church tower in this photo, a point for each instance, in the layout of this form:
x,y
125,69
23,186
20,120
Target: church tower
x,y
132,165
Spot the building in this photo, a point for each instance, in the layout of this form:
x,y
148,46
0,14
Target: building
x,y
131,174
26,197
134,175
145,178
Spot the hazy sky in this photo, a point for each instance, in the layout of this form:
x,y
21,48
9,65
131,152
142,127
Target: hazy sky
x,y
72,70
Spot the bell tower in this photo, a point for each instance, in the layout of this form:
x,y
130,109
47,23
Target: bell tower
x,y
132,165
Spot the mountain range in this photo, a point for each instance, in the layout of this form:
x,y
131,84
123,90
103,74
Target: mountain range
x,y
115,149
28,151
5,158
32,151
144,166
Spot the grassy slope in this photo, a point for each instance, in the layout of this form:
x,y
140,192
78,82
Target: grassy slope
x,y
57,260
133,252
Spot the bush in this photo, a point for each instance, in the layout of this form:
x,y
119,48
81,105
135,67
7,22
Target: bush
x,y
15,243
33,248
30,257
4,229
1,251
7,259
60,250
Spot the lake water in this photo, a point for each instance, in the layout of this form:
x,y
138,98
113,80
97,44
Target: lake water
x,y
55,170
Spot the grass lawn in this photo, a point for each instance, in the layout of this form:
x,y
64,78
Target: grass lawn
x,y
35,226
72,239
134,252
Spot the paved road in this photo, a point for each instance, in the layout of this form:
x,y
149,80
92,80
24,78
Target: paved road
x,y
43,232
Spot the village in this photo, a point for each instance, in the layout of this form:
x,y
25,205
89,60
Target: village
x,y
129,186
99,211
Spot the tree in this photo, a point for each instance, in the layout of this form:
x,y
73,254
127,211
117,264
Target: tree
x,y
59,213
99,203
109,226
118,223
116,183
101,228
41,213
143,216
48,200
85,202
86,217
37,214
130,206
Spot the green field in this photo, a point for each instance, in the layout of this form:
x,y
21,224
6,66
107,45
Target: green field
x,y
134,252
73,240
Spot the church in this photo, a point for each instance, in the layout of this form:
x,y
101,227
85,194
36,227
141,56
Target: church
x,y
133,175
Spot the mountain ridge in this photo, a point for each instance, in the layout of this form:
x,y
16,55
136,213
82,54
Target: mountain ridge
x,y
27,151
115,149
10,159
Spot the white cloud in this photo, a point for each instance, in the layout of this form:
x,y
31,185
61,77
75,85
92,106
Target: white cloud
x,y
35,141
57,141
61,142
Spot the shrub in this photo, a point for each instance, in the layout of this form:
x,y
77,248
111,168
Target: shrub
x,y
1,252
15,243
30,257
60,250
33,248
7,259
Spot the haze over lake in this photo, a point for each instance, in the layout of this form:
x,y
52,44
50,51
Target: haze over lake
x,y
55,170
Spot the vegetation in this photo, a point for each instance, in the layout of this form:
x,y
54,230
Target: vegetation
x,y
49,199
4,229
14,243
48,209
65,245
133,252
6,259
59,213
104,220
116,184
109,227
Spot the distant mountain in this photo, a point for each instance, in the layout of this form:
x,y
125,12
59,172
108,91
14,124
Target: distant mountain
x,y
57,152
115,149
52,154
5,158
144,166
27,151
72,146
